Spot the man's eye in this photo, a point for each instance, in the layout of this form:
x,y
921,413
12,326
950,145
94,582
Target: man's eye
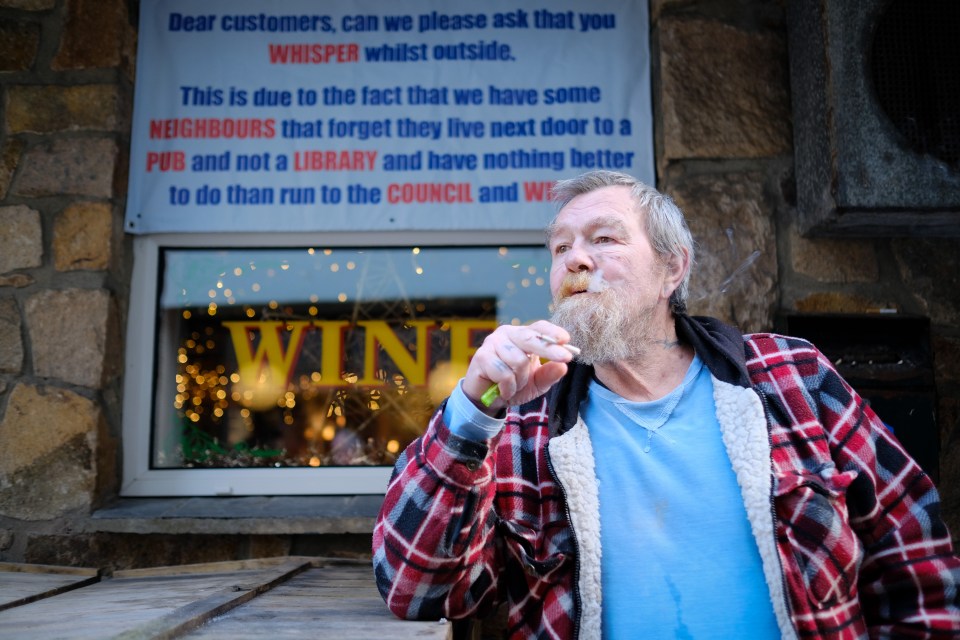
x,y
603,240
560,248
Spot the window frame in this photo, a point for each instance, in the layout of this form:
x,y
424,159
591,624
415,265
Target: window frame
x,y
140,385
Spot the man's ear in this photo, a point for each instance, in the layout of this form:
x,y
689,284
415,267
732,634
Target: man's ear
x,y
675,271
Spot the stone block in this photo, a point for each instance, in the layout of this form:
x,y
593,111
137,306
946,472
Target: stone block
x,y
40,421
946,359
735,272
82,237
93,35
835,260
68,333
16,280
34,493
11,340
656,8
9,159
725,91
839,302
49,108
44,429
71,166
269,546
116,552
19,42
6,539
21,238
28,5
929,269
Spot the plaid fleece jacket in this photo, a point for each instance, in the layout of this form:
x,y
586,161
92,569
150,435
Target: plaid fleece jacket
x,y
847,525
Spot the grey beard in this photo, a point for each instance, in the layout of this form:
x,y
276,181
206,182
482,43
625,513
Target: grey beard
x,y
606,326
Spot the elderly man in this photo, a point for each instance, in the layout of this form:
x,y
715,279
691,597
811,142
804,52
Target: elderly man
x,y
675,479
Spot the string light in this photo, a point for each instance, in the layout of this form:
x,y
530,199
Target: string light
x,y
330,421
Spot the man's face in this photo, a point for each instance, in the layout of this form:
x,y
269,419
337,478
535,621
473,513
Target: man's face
x,y
607,280
600,232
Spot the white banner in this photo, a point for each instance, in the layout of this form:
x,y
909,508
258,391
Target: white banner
x,y
367,115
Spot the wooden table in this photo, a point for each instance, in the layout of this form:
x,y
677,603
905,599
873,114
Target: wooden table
x,y
292,597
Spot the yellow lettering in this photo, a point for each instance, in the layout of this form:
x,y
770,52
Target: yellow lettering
x,y
331,359
266,362
270,360
378,334
461,341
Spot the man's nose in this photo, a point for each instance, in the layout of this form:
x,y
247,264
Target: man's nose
x,y
579,259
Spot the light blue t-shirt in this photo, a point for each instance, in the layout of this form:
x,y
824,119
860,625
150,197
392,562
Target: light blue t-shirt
x,y
679,559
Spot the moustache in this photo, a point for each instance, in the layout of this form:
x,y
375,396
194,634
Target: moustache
x,y
572,284
581,281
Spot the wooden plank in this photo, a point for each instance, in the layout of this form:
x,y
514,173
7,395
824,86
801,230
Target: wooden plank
x,y
48,569
323,602
191,616
150,606
255,564
274,598
22,584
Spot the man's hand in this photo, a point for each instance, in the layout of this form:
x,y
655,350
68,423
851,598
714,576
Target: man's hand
x,y
510,357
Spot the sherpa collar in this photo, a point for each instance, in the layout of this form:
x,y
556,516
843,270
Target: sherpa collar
x,y
719,346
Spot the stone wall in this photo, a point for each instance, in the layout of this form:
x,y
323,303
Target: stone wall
x,y
724,151
66,76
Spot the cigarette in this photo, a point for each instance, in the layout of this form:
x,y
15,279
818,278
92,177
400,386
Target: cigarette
x,y
491,393
569,347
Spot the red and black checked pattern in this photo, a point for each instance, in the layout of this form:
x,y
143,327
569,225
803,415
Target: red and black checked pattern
x,y
859,534
863,550
461,531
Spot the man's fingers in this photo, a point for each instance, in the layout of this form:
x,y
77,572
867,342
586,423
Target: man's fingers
x,y
546,376
511,356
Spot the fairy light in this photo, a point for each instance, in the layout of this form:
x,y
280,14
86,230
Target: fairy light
x,y
206,398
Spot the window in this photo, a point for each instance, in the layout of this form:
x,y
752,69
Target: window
x,y
301,368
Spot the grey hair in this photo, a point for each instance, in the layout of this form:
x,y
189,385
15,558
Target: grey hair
x,y
664,221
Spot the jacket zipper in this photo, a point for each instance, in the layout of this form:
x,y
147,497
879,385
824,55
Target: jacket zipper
x,y
577,607
773,510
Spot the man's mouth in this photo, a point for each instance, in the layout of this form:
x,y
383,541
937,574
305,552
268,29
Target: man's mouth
x,y
575,284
